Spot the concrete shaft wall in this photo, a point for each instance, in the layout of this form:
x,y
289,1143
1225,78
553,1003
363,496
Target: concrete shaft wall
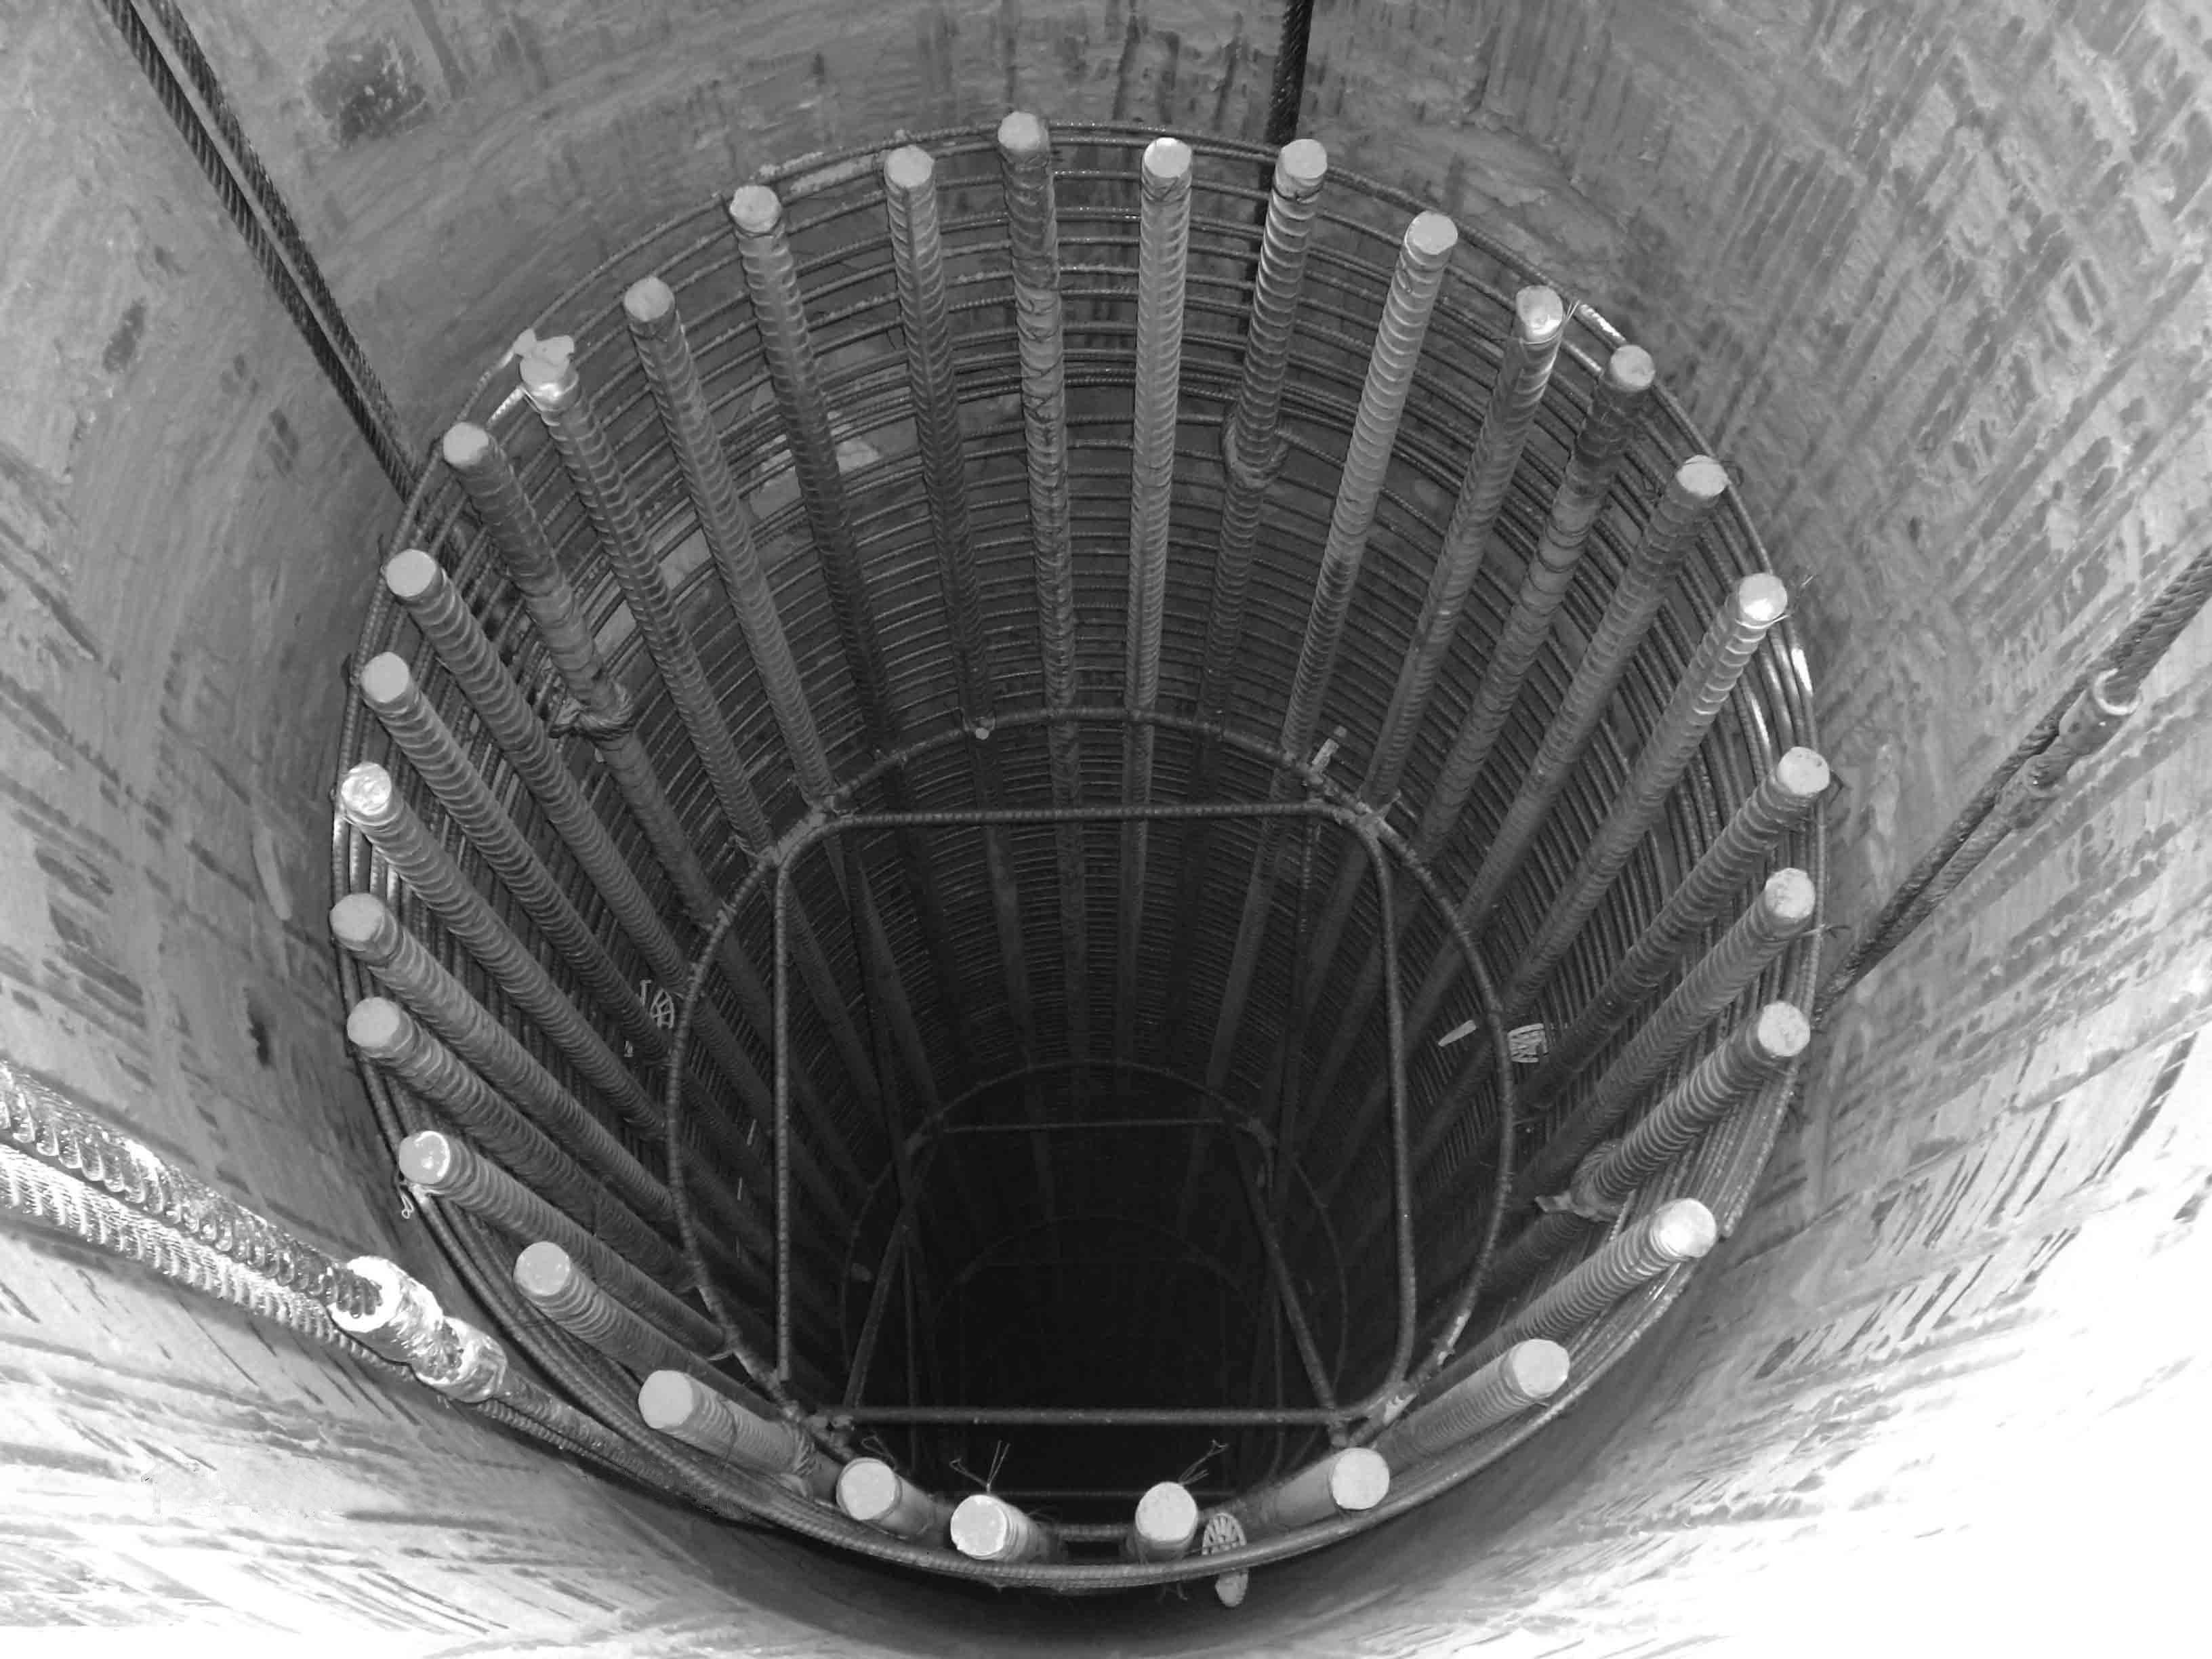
x,y
1930,278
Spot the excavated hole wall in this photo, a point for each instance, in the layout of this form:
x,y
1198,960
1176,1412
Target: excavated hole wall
x,y
1930,281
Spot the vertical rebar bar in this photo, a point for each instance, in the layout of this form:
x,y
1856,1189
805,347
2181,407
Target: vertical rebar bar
x,y
1783,911
388,1035
1164,1526
1527,1374
1783,800
1024,146
1163,246
366,929
448,1168
1681,1230
552,1281
1600,447
1344,1482
1759,603
679,1406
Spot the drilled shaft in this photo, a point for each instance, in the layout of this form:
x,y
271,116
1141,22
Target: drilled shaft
x,y
1682,1231
390,1036
1758,603
448,1167
1024,147
1783,912
1527,1374
1163,248
367,930
1615,412
43,1126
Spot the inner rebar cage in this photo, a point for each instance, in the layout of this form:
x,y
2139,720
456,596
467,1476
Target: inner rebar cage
x,y
1093,1168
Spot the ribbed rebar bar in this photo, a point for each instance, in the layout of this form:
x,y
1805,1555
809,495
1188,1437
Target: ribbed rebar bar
x,y
1784,910
1163,255
1347,1481
553,1282
679,1406
556,391
448,1167
396,699
1681,1230
1423,253
432,600
367,930
1758,603
664,349
1024,147
1615,412
1527,1374
1695,491
389,1035
39,1122
1783,800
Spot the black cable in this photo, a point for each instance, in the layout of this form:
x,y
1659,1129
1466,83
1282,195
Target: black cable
x,y
292,271
1289,95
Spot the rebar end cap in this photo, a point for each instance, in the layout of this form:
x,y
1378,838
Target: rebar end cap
x,y
359,921
757,210
1167,160
1762,599
1431,235
1802,772
1781,1032
909,167
386,680
1167,1514
428,1159
1790,897
543,1269
1701,478
668,1400
376,1025
1359,1480
465,445
1684,1230
867,1489
549,377
1023,134
647,300
1630,369
1537,1368
365,792
1301,165
1540,313
982,1527
410,574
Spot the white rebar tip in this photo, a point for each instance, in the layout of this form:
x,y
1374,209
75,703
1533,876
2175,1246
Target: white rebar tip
x,y
375,1023
1540,313
986,1529
1702,478
1359,1478
1782,1031
1802,772
1167,160
1303,164
1167,1516
386,678
909,167
464,444
647,300
1431,234
867,1489
544,1269
1762,599
1631,370
1536,1369
1790,897
1022,133
410,574
756,208
1684,1230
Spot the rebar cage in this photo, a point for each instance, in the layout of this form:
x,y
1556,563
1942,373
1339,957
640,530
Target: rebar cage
x,y
1037,869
